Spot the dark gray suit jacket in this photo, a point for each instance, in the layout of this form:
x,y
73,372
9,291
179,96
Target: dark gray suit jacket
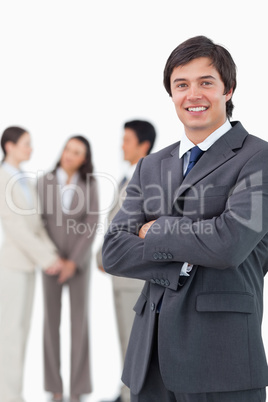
x,y
216,219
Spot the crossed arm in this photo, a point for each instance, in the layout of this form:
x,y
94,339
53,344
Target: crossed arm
x,y
131,242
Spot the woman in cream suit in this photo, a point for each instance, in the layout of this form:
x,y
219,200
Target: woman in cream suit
x,y
69,201
25,245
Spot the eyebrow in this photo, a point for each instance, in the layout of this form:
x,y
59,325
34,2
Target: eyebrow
x,y
203,77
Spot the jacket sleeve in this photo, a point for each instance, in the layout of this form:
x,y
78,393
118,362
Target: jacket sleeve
x,y
123,249
119,199
32,241
224,241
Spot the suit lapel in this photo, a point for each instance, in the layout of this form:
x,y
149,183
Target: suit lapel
x,y
78,204
214,157
16,193
221,151
171,177
79,201
56,204
173,182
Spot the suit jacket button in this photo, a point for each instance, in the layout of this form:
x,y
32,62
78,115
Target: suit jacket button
x,y
152,306
170,256
160,256
167,283
152,281
164,255
163,282
157,281
155,256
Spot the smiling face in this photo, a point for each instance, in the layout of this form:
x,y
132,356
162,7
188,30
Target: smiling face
x,y
198,94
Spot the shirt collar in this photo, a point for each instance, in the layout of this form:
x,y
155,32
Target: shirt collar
x,y
186,144
62,177
129,171
10,169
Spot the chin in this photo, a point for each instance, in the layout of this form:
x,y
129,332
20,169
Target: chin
x,y
64,166
68,167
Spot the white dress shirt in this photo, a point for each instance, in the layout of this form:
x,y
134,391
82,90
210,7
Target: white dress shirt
x,y
130,171
67,190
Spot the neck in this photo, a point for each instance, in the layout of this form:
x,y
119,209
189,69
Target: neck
x,y
199,134
196,139
135,161
12,161
70,174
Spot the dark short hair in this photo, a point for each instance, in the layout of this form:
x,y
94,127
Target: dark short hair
x,y
201,46
87,166
11,134
144,131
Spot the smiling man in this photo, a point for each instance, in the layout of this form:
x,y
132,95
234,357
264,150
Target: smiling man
x,y
199,96
194,226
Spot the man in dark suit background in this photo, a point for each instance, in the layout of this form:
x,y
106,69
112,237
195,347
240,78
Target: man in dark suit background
x,y
194,227
138,141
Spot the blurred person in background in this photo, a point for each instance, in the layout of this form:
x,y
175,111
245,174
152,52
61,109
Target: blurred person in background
x,y
138,140
25,246
69,203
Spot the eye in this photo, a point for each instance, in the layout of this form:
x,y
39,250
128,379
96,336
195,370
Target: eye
x,y
206,83
182,85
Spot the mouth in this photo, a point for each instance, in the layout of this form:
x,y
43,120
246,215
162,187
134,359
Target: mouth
x,y
197,109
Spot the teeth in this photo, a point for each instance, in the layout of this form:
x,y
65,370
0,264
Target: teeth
x,y
197,109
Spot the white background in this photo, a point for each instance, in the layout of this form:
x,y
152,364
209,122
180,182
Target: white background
x,y
69,67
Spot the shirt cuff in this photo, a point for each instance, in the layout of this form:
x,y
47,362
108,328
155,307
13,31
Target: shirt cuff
x,y
185,269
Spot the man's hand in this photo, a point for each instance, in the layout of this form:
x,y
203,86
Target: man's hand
x,y
144,229
55,268
67,271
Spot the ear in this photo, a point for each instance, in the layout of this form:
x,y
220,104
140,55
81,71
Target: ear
x,y
145,146
9,146
229,94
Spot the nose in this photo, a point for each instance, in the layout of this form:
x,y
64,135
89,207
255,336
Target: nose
x,y
194,93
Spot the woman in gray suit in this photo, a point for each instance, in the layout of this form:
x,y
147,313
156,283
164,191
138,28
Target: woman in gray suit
x,y
25,245
70,211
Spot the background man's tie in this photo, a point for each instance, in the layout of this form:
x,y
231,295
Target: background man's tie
x,y
195,155
122,183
